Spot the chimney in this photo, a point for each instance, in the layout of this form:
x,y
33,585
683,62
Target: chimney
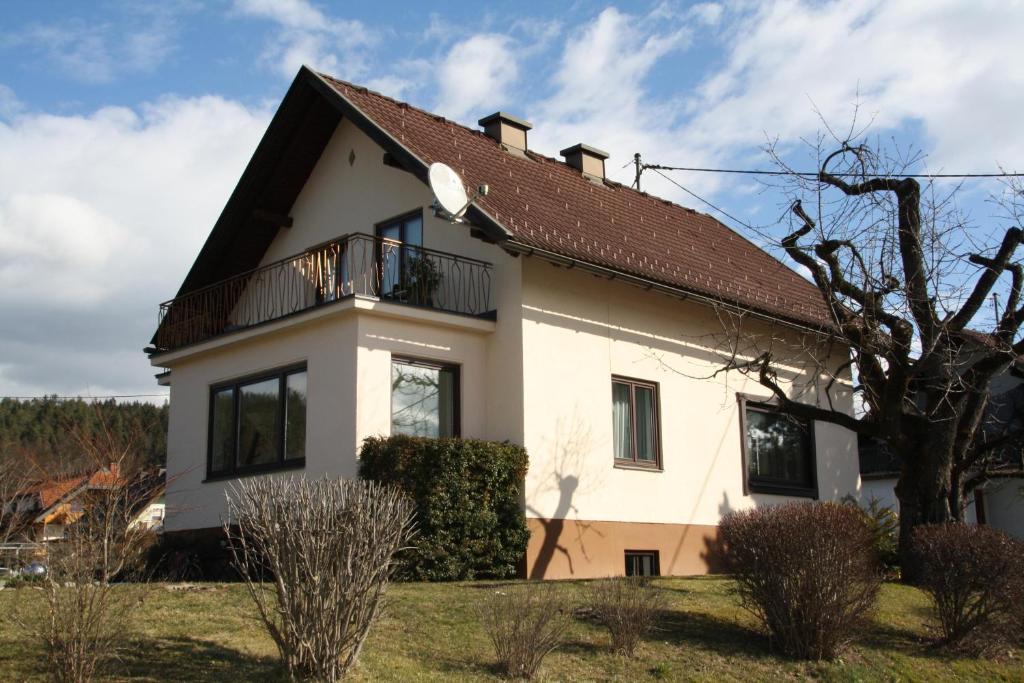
x,y
509,130
586,159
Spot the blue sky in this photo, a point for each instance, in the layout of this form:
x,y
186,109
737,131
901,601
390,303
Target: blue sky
x,y
124,125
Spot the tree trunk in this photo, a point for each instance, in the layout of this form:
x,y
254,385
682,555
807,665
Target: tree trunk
x,y
923,491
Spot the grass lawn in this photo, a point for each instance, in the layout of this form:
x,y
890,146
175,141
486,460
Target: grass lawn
x,y
430,633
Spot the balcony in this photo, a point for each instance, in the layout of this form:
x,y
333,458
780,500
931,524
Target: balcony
x,y
353,265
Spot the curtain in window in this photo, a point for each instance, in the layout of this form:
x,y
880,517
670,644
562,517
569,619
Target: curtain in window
x,y
622,421
644,423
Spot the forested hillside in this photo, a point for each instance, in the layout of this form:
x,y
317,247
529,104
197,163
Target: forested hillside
x,y
44,429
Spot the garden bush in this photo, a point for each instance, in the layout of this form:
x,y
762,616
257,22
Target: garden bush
x,y
807,571
316,557
975,578
628,607
525,623
468,497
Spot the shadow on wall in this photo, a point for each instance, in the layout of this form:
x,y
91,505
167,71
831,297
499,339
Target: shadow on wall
x,y
570,447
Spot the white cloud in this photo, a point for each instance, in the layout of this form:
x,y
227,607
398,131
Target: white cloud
x,y
99,52
707,13
305,35
478,72
100,218
912,64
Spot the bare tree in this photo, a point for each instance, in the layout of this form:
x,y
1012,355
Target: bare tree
x,y
326,548
928,305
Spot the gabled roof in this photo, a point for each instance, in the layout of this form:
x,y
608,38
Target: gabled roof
x,y
535,203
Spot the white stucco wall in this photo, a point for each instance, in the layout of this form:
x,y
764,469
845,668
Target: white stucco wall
x,y
578,331
883,490
1004,505
326,345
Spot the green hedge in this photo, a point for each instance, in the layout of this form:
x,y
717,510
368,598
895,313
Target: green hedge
x,y
468,495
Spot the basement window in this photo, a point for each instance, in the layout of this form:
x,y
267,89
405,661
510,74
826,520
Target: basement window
x,y
642,563
258,424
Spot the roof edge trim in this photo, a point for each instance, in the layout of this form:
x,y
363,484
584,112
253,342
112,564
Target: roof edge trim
x,y
647,284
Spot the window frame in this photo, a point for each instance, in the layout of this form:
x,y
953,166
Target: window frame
x,y
234,470
634,463
434,365
751,484
656,564
404,248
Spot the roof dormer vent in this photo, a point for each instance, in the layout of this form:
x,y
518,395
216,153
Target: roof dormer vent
x,y
586,159
509,130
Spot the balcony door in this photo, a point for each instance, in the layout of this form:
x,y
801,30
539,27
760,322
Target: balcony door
x,y
398,244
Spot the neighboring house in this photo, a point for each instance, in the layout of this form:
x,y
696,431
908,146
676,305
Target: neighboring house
x,y
569,314
46,508
1000,501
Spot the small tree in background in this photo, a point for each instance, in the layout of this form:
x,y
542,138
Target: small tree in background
x,y
316,557
807,571
85,614
975,578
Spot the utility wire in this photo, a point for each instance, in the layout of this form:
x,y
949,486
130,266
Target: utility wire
x,y
802,174
701,199
81,398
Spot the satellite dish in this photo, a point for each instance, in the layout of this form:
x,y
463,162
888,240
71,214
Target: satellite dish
x,y
450,196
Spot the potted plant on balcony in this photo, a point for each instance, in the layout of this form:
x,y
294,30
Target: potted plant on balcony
x,y
423,280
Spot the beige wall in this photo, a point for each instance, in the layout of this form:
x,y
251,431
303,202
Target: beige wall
x,y
1004,505
326,345
578,331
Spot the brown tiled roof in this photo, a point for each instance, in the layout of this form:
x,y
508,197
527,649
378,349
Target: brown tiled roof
x,y
549,205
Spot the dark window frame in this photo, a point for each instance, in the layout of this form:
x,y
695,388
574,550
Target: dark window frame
x,y
634,463
233,470
752,484
655,564
405,248
456,386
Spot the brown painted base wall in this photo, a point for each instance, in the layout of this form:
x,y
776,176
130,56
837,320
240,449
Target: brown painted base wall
x,y
579,549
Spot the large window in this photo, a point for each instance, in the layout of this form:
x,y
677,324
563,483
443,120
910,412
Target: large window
x,y
635,422
258,423
400,238
424,398
778,452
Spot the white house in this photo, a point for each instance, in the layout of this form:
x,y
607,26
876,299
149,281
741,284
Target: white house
x,y
570,314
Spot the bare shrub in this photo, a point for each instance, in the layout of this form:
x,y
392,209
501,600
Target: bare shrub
x,y
86,614
628,607
975,578
525,624
326,548
806,571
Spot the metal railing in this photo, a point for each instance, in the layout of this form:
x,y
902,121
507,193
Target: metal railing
x,y
354,264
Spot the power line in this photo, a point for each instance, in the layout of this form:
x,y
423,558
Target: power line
x,y
699,198
804,174
81,398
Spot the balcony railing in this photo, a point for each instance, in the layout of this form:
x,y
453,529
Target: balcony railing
x,y
352,265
